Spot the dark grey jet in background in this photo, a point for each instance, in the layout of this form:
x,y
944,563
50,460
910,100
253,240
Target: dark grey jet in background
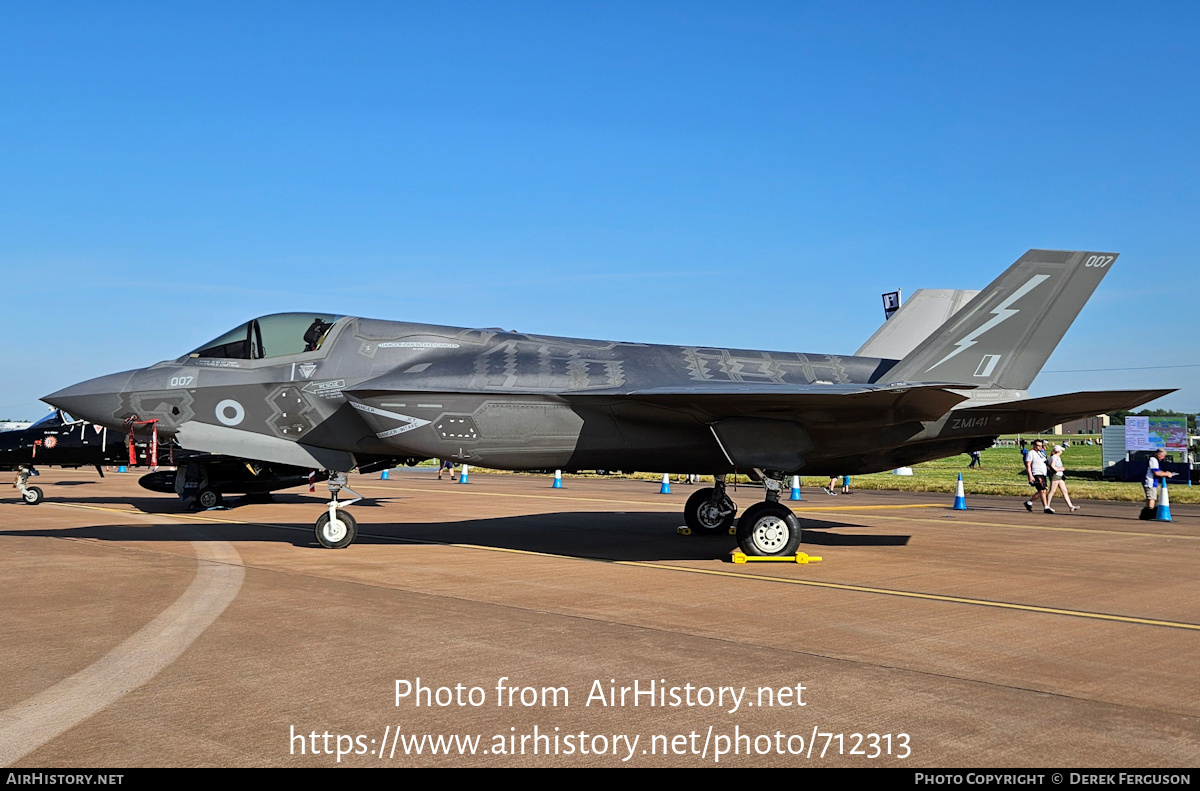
x,y
339,392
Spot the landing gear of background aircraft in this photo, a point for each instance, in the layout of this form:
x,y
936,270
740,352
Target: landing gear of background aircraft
x,y
769,528
335,528
709,511
30,494
208,498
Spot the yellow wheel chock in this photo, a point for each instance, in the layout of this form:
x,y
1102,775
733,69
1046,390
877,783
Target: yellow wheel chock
x,y
799,557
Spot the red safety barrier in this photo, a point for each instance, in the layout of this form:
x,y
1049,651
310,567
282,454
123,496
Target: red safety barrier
x,y
133,423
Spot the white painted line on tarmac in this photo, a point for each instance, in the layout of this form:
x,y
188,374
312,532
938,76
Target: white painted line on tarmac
x,y
36,720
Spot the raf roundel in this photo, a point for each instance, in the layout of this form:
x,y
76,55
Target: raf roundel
x,y
230,412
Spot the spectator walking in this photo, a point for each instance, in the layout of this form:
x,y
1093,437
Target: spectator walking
x,y
1057,479
1035,468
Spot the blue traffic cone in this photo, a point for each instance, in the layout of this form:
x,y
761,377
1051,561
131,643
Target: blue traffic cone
x,y
122,469
960,500
383,476
557,480
796,488
1163,514
462,475
666,485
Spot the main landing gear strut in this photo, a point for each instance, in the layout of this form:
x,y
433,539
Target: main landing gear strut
x,y
710,512
766,529
336,529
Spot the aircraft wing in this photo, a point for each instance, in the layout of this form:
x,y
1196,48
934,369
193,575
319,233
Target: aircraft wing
x,y
806,403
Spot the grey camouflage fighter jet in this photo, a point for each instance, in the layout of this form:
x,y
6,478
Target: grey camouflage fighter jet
x,y
335,392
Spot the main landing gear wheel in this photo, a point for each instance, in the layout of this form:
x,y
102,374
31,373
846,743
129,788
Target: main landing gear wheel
x,y
208,498
33,495
337,533
768,529
708,517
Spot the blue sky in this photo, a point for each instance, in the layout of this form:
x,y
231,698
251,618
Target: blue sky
x,y
739,174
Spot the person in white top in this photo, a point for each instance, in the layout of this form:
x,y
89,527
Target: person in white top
x,y
1057,474
1035,468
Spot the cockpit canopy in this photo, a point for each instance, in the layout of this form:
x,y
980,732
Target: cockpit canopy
x,y
55,417
271,336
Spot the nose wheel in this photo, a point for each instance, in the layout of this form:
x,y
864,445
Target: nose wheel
x,y
335,528
337,532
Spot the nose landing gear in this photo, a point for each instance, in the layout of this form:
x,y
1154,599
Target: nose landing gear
x,y
336,529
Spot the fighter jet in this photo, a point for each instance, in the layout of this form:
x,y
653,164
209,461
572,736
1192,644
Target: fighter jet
x,y
57,440
334,392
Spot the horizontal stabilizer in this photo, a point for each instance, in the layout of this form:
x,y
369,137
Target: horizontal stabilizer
x,y
1038,414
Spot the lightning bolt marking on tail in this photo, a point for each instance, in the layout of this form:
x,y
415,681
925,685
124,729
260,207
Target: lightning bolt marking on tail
x,y
1001,313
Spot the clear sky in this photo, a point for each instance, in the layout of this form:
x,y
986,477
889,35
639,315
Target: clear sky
x,y
749,174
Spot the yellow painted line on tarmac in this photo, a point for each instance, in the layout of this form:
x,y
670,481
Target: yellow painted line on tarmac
x,y
200,517
38,719
865,507
1047,528
674,503
733,574
818,509
938,521
477,493
925,596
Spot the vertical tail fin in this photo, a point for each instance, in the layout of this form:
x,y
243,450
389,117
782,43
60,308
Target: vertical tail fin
x,y
1004,336
917,319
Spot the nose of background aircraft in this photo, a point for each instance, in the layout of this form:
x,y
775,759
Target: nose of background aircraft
x,y
97,400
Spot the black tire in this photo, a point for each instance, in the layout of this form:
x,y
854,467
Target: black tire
x,y
33,495
338,536
768,529
208,498
704,517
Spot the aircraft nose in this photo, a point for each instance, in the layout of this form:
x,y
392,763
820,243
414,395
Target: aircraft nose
x,y
97,400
